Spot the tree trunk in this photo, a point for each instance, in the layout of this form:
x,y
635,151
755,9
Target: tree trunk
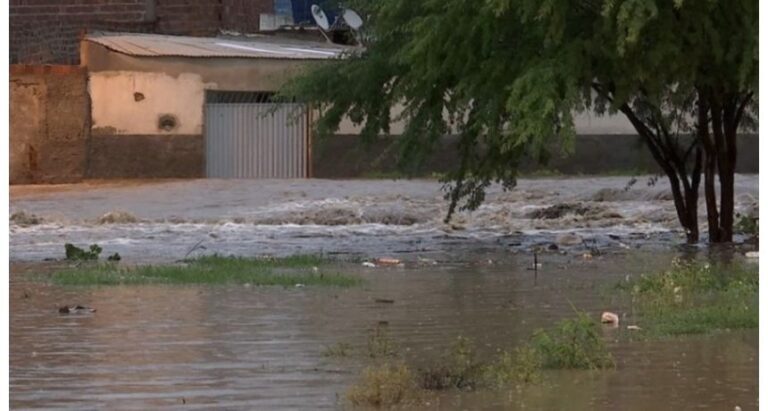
x,y
724,132
713,216
685,195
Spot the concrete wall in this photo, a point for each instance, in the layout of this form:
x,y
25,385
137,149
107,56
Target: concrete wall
x,y
343,156
131,103
48,124
586,124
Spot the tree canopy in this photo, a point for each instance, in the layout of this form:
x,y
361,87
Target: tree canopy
x,y
507,76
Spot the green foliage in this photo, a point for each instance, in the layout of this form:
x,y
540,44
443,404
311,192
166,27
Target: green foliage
x,y
75,253
288,272
507,76
523,365
696,298
748,225
572,343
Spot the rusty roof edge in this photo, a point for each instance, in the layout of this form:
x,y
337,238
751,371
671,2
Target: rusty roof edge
x,y
311,53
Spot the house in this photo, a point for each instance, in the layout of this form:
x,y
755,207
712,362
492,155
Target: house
x,y
175,106
75,97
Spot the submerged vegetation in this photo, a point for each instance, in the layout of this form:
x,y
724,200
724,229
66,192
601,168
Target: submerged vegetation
x,y
687,298
215,269
572,343
74,253
695,298
384,386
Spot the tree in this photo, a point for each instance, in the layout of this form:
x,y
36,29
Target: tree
x,y
508,75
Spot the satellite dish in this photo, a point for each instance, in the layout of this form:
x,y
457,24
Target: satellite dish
x,y
352,19
320,18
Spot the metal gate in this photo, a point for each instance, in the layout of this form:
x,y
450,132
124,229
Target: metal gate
x,y
256,140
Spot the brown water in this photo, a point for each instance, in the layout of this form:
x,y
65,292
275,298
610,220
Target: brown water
x,y
238,347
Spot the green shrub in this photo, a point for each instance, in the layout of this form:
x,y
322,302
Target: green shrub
x,y
523,365
75,253
572,343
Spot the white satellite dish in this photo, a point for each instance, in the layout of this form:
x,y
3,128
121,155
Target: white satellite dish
x,y
320,18
352,19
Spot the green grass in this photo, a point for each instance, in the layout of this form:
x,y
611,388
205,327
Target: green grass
x,y
696,298
289,271
572,343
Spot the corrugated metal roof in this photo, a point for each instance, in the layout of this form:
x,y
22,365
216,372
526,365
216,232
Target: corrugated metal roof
x,y
156,45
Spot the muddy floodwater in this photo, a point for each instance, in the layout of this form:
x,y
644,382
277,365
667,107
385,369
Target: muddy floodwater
x,y
259,348
238,347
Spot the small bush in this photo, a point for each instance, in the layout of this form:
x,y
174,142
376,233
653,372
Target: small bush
x,y
384,386
521,366
459,369
572,343
75,253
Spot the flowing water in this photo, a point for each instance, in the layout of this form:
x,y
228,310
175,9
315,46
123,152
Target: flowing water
x,y
164,221
241,347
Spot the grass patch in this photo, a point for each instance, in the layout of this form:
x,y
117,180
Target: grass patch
x,y
215,269
572,343
385,385
380,344
696,298
338,350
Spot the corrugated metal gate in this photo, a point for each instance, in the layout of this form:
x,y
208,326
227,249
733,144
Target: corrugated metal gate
x,y
256,140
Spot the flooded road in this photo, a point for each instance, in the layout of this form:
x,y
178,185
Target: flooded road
x,y
239,347
163,221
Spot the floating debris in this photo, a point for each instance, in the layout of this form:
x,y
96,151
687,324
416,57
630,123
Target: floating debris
x,y
609,318
568,239
384,301
23,219
426,261
633,328
752,254
369,264
387,261
76,309
118,217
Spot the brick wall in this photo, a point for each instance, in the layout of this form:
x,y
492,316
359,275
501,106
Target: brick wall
x,y
243,15
188,17
49,123
48,31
